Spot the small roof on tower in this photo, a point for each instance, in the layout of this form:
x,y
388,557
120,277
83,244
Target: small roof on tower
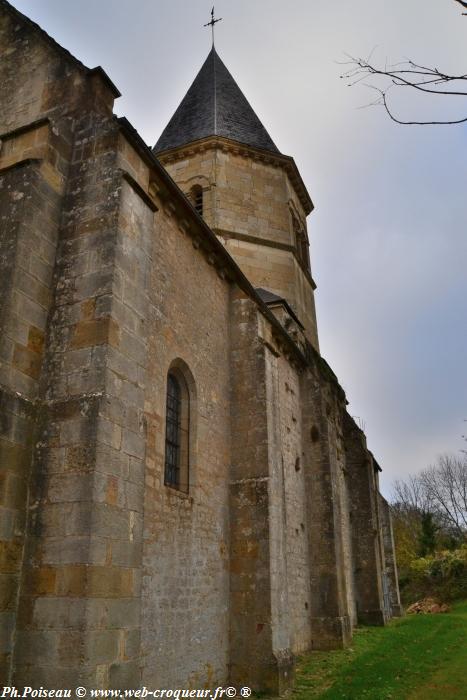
x,y
214,106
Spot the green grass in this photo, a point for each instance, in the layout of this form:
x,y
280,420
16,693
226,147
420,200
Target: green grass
x,y
418,657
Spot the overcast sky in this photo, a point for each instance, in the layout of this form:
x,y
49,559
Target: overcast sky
x,y
389,231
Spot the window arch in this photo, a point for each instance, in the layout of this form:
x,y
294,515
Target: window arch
x,y
301,243
177,431
196,198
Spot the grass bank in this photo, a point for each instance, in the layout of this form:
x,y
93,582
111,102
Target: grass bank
x,y
418,657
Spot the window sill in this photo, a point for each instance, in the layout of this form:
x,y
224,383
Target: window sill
x,y
177,492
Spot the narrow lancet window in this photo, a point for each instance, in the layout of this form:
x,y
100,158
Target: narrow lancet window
x,y
172,432
177,433
301,243
196,197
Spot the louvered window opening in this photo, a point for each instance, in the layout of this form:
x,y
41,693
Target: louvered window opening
x,y
198,201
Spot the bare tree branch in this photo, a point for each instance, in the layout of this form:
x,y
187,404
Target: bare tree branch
x,y
407,74
464,4
398,76
415,123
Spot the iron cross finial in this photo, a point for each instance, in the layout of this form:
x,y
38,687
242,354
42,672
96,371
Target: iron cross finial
x,y
212,23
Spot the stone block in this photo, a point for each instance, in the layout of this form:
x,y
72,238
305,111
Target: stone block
x,y
102,646
7,348
111,521
77,359
5,666
36,339
35,290
36,648
14,427
69,647
59,613
109,433
94,284
111,461
28,311
7,626
330,633
74,550
42,581
49,674
135,297
8,591
133,444
111,495
118,386
136,471
123,365
69,488
371,617
125,675
131,644
77,457
127,610
111,582
126,554
95,332
41,269
10,556
75,431
133,346
134,495
7,524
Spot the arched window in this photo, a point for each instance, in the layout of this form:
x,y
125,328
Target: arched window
x,y
301,243
196,198
177,425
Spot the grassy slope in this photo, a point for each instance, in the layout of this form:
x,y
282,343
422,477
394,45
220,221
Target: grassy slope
x,y
418,657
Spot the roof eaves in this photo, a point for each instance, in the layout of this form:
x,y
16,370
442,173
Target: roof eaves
x,y
279,157
280,301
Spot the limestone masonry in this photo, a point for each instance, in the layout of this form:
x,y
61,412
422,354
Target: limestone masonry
x,y
184,499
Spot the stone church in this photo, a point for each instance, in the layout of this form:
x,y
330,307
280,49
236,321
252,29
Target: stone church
x,y
185,501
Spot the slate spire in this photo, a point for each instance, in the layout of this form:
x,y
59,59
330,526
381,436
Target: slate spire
x,y
214,106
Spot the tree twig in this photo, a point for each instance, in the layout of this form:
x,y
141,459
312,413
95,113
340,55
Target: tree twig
x,y
407,74
464,4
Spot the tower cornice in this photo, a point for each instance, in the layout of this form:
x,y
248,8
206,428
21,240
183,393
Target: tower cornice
x,y
221,143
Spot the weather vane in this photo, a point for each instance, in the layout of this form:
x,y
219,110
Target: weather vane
x,y
212,23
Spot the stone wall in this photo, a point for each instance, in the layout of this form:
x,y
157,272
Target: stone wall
x,y
390,564
288,406
367,554
330,612
33,165
186,535
64,232
252,657
82,560
29,237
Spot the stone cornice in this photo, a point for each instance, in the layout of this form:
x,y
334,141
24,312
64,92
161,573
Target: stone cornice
x,y
30,126
237,148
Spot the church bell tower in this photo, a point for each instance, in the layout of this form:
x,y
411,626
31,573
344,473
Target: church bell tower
x,y
250,194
